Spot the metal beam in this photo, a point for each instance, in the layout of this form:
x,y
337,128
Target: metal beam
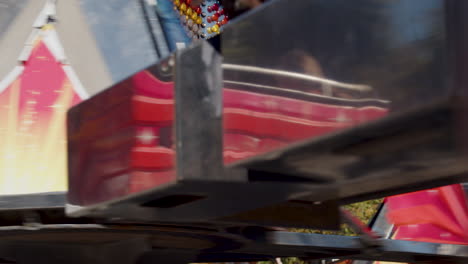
x,y
390,250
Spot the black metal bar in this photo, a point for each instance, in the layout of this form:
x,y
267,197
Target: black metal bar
x,y
391,250
151,242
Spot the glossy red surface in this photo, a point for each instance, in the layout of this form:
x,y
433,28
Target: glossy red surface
x,y
122,141
438,215
257,123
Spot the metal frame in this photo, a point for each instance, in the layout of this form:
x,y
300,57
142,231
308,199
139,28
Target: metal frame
x,y
261,244
179,244
300,76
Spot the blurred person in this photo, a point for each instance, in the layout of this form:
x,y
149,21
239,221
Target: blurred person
x,y
299,61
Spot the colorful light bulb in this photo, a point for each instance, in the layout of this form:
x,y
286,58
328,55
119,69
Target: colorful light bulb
x,y
215,29
183,7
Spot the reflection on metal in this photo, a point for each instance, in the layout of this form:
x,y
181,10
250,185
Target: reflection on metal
x,y
381,225
253,69
267,109
291,91
122,141
201,102
147,165
299,136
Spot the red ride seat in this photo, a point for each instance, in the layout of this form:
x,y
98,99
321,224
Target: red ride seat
x,y
438,215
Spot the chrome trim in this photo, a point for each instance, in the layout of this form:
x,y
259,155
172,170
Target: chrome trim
x,y
245,68
274,88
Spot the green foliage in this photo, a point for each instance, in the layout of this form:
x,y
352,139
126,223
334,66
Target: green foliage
x,y
365,211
